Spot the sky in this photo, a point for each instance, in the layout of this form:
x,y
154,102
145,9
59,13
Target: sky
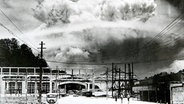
x,y
98,32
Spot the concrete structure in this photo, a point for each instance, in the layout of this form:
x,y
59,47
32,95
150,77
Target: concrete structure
x,y
24,82
145,93
162,88
176,93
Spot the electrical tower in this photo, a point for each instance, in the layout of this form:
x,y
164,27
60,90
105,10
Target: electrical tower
x,y
122,79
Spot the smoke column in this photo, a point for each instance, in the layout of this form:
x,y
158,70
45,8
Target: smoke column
x,y
64,11
102,31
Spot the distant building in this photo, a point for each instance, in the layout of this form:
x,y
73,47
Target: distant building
x,y
145,91
177,90
158,87
176,93
25,80
22,80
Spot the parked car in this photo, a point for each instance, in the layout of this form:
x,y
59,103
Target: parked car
x,y
99,93
87,93
51,98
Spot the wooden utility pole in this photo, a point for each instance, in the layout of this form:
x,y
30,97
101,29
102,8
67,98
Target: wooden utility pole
x,y
41,71
93,81
57,79
125,80
119,83
112,78
72,75
129,78
107,88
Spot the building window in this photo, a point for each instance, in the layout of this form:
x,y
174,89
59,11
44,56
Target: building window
x,y
19,87
45,87
5,71
12,88
31,87
52,86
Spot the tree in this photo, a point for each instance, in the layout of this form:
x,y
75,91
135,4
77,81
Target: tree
x,y
15,55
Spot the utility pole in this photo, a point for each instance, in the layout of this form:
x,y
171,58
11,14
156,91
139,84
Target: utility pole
x,y
57,79
119,83
72,75
93,81
107,82
125,80
41,71
112,78
129,78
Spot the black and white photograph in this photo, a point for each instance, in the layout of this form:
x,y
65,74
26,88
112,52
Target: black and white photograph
x,y
91,51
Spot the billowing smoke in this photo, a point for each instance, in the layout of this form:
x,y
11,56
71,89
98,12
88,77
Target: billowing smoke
x,y
105,31
85,45
104,45
136,50
177,3
72,54
65,11
115,45
52,13
126,9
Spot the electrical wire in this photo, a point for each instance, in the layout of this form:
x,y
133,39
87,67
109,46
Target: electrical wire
x,y
168,42
163,32
170,25
167,29
2,25
32,46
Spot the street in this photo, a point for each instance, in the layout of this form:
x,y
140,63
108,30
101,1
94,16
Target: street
x,y
94,100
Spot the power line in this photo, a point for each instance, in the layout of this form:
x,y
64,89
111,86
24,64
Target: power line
x,y
168,28
11,21
110,63
163,32
15,35
171,24
17,29
7,29
11,32
78,63
168,42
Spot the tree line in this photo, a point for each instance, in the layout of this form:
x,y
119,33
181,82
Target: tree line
x,y
12,54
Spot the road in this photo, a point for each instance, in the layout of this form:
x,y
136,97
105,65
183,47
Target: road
x,y
93,100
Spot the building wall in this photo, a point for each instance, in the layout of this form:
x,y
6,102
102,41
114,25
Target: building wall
x,y
177,93
11,75
145,93
14,80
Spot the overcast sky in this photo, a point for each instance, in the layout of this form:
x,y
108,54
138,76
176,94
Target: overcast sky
x,y
84,30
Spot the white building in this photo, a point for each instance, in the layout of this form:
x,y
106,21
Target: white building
x,y
25,80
